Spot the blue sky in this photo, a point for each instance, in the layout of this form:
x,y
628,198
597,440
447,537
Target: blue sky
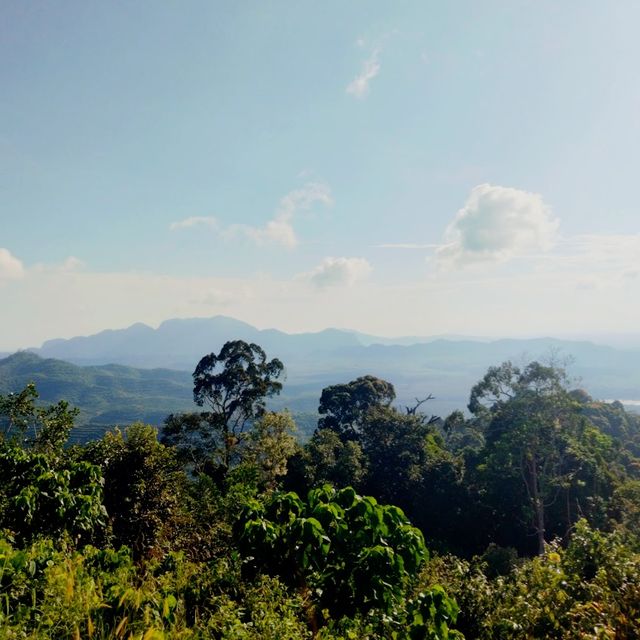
x,y
398,168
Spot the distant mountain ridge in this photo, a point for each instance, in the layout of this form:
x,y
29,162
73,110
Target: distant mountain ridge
x,y
117,376
180,343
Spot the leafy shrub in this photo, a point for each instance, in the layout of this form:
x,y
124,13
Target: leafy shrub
x,y
347,554
42,495
588,591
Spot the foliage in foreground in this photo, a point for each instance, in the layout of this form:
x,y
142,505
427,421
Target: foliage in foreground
x,y
191,537
350,557
589,590
52,591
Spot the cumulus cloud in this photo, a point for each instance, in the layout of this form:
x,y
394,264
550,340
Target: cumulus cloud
x,y
280,229
10,267
194,221
359,86
496,224
336,272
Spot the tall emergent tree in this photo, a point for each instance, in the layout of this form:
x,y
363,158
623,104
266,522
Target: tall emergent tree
x,y
540,450
233,385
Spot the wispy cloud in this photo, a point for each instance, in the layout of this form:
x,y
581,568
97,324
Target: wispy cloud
x,y
359,86
610,259
336,272
10,267
279,230
407,245
195,221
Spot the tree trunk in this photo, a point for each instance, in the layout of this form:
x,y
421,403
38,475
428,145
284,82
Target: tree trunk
x,y
538,505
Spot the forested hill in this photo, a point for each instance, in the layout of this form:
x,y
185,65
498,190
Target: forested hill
x,y
105,395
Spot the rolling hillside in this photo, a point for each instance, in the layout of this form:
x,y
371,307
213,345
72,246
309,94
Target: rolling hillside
x,y
106,395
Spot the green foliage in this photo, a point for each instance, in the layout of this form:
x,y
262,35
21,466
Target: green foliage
x,y
344,407
270,444
590,590
328,459
541,453
45,429
197,446
233,385
18,413
217,552
399,458
430,614
40,497
43,491
625,508
394,444
351,555
246,378
460,433
55,592
144,485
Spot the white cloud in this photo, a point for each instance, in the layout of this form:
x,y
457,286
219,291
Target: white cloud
x,y
10,267
336,272
359,86
496,224
277,231
194,221
280,229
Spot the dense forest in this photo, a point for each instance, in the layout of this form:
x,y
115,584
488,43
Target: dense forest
x,y
517,518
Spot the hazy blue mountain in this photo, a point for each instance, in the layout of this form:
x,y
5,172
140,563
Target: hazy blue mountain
x,y
179,344
446,368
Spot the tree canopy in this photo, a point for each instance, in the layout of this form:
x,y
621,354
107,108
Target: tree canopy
x,y
233,386
344,407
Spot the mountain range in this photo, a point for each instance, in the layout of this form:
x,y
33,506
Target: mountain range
x,y
144,373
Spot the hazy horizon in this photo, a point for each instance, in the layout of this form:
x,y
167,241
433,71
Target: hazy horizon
x,y
621,341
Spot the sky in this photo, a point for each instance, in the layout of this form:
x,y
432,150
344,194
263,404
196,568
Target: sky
x,y
405,168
